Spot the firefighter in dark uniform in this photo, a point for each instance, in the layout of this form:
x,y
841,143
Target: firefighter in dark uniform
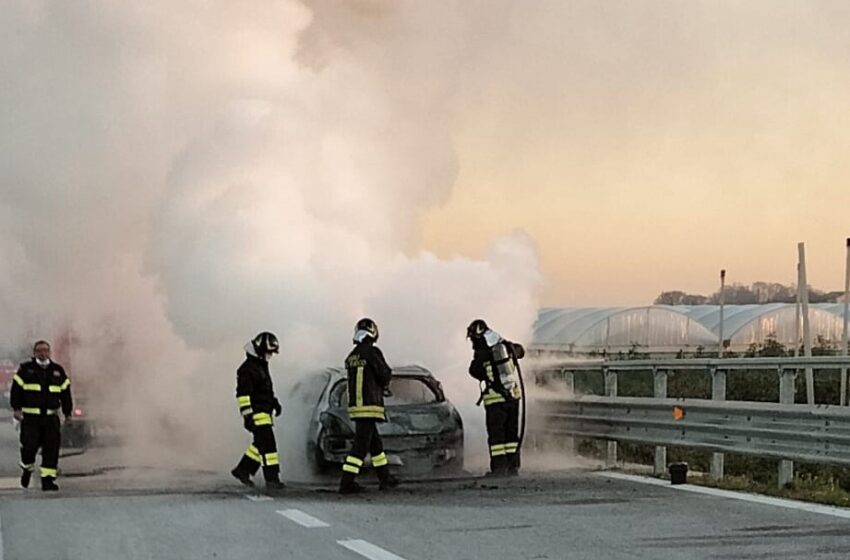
x,y
368,381
39,390
495,365
256,400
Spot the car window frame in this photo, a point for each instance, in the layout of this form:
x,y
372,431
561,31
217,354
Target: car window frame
x,y
430,381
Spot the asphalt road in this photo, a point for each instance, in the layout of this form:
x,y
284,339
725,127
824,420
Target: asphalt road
x,y
106,510
572,515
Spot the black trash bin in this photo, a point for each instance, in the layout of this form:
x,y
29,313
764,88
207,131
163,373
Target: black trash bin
x,y
679,473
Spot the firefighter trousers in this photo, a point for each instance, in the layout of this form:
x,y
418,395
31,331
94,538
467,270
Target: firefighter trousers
x,y
366,440
45,433
503,436
261,452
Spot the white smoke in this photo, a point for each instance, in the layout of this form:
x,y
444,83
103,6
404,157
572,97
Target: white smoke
x,y
176,178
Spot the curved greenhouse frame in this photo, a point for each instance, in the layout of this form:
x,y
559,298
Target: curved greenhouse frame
x,y
673,329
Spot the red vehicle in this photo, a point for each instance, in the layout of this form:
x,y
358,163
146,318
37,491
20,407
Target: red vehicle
x,y
81,431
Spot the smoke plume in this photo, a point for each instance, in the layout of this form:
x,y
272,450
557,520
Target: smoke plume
x,y
177,177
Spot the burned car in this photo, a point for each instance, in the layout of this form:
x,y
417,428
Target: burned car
x,y
423,433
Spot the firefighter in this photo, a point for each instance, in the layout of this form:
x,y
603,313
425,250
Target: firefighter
x,y
256,400
368,381
39,390
495,365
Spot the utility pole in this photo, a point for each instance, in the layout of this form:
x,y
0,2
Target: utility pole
x,y
807,332
844,335
722,302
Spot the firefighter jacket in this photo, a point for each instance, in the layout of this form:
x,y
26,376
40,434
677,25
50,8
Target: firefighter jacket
x,y
255,392
41,391
368,376
497,366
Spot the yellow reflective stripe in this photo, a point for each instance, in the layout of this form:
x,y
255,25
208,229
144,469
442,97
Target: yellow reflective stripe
x,y
47,472
65,385
272,459
511,447
244,401
366,414
50,411
247,411
354,461
496,450
358,400
491,398
253,453
351,468
262,419
370,411
55,388
32,387
18,380
380,460
30,467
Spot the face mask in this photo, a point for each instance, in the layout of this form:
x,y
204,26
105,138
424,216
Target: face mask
x,y
43,363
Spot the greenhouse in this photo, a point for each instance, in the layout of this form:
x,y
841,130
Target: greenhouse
x,y
665,329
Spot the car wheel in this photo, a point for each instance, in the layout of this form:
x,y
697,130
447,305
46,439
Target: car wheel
x,y
320,464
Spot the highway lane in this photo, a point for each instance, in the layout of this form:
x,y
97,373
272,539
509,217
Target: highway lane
x,y
560,515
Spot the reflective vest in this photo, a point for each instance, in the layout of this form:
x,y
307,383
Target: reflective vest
x,y
41,391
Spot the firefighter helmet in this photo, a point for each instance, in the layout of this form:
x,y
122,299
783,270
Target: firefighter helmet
x,y
476,329
366,327
265,343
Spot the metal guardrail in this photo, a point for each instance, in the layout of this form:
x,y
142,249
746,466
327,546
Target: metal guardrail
x,y
784,430
810,434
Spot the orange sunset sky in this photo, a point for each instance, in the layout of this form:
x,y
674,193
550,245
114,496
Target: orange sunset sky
x,y
647,146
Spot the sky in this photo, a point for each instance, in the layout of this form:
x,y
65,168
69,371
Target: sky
x,y
646,145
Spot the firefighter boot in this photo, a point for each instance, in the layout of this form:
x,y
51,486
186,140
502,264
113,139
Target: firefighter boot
x,y
48,484
498,466
275,485
347,485
272,476
385,479
513,464
242,477
26,476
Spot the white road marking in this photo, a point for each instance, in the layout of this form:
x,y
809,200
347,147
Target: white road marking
x,y
843,513
303,519
368,550
258,498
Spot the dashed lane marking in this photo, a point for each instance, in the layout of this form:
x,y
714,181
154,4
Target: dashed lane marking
x,y
258,498
753,498
368,550
303,519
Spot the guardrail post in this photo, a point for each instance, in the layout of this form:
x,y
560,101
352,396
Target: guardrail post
x,y
570,443
569,380
610,391
786,396
660,379
718,393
